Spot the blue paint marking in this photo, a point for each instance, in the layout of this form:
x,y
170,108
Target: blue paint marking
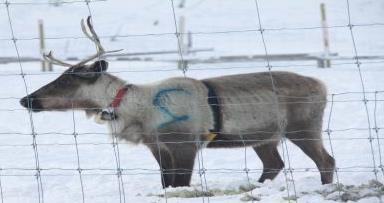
x,y
158,102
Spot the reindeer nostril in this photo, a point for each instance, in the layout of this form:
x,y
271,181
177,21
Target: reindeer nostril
x,y
30,102
24,102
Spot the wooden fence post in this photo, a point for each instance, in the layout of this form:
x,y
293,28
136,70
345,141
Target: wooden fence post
x,y
181,45
181,33
44,65
326,62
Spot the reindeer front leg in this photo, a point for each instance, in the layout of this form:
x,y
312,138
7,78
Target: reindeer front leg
x,y
184,159
165,161
176,163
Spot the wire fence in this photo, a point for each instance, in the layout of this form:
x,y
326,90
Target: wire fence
x,y
370,133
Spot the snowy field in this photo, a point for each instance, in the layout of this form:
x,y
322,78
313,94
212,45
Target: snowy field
x,y
224,177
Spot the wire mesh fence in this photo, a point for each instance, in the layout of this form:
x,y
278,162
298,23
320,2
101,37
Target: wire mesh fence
x,y
366,100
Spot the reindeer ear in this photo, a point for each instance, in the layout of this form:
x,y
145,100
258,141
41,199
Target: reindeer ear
x,y
99,66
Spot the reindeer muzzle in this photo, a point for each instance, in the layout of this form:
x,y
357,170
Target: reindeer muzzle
x,y
32,103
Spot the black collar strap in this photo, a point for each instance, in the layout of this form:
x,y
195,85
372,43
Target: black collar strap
x,y
213,102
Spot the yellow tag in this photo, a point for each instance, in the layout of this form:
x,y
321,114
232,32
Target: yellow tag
x,y
98,119
210,136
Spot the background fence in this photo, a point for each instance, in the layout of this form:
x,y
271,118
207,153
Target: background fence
x,y
62,157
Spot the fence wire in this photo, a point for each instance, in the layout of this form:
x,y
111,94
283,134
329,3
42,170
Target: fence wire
x,y
122,173
40,189
361,77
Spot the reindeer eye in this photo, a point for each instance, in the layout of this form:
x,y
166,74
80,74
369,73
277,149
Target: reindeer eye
x,y
64,80
88,77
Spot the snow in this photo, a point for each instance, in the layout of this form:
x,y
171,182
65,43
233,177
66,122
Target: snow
x,y
225,177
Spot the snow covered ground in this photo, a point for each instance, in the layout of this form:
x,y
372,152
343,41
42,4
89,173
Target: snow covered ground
x,y
225,178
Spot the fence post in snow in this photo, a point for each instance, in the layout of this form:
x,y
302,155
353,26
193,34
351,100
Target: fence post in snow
x,y
190,42
44,65
324,61
181,45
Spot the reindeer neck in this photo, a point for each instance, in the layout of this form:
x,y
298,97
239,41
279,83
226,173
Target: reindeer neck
x,y
112,84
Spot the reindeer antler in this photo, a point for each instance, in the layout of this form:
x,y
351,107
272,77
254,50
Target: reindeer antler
x,y
90,35
94,38
49,57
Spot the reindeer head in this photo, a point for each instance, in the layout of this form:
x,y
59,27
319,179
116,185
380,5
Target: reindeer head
x,y
81,86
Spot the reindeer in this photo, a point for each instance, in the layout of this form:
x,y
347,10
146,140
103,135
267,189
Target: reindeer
x,y
177,117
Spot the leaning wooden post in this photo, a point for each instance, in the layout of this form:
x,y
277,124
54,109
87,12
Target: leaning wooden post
x,y
181,33
42,44
181,45
326,62
44,65
190,42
